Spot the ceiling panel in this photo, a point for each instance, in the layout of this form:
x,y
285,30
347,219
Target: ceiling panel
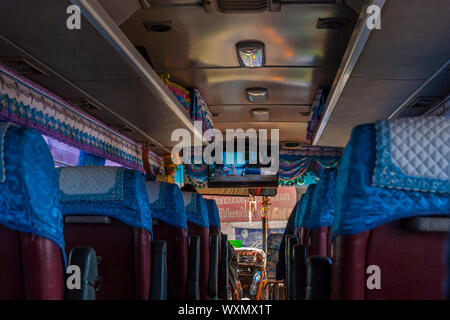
x,y
79,55
365,100
285,85
276,113
411,45
413,42
204,40
120,10
288,131
131,99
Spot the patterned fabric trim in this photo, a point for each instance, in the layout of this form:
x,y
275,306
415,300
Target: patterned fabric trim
x,y
406,162
26,104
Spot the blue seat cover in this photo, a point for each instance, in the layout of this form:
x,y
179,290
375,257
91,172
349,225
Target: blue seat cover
x,y
196,210
297,222
29,195
116,192
359,206
166,203
213,213
304,209
322,203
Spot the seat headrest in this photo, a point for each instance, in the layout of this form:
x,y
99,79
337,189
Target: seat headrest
x,y
213,213
108,191
196,210
413,154
29,196
304,209
166,203
296,212
361,206
322,201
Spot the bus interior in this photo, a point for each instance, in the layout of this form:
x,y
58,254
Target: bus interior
x,y
224,150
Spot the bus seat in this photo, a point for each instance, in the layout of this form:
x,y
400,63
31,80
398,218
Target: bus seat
x,y
213,217
31,231
198,225
107,209
289,230
303,216
214,229
320,217
170,225
370,231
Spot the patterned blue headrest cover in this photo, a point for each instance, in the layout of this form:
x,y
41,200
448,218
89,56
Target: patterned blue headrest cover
x,y
322,204
413,154
166,203
296,211
108,191
196,210
213,213
29,195
305,208
360,206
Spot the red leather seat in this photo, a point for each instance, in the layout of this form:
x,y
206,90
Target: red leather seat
x,y
170,225
393,231
107,208
31,240
198,225
319,242
411,264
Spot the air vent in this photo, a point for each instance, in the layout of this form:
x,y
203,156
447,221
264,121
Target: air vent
x,y
159,26
84,104
123,128
332,23
419,106
241,6
23,66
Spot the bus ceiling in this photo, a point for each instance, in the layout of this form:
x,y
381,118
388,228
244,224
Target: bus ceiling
x,y
110,67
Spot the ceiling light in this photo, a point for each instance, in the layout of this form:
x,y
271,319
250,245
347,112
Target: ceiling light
x,y
251,54
260,114
257,95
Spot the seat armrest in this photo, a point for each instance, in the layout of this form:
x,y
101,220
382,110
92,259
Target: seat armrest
x,y
193,282
224,277
86,260
213,266
292,241
318,278
158,287
298,270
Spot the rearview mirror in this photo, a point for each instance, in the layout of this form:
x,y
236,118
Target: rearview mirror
x,y
268,192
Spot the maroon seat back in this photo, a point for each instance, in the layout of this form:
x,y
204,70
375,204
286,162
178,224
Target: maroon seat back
x,y
124,253
203,234
107,209
198,225
319,242
170,225
31,267
31,237
177,258
397,252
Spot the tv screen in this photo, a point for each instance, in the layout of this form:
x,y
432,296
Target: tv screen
x,y
239,170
